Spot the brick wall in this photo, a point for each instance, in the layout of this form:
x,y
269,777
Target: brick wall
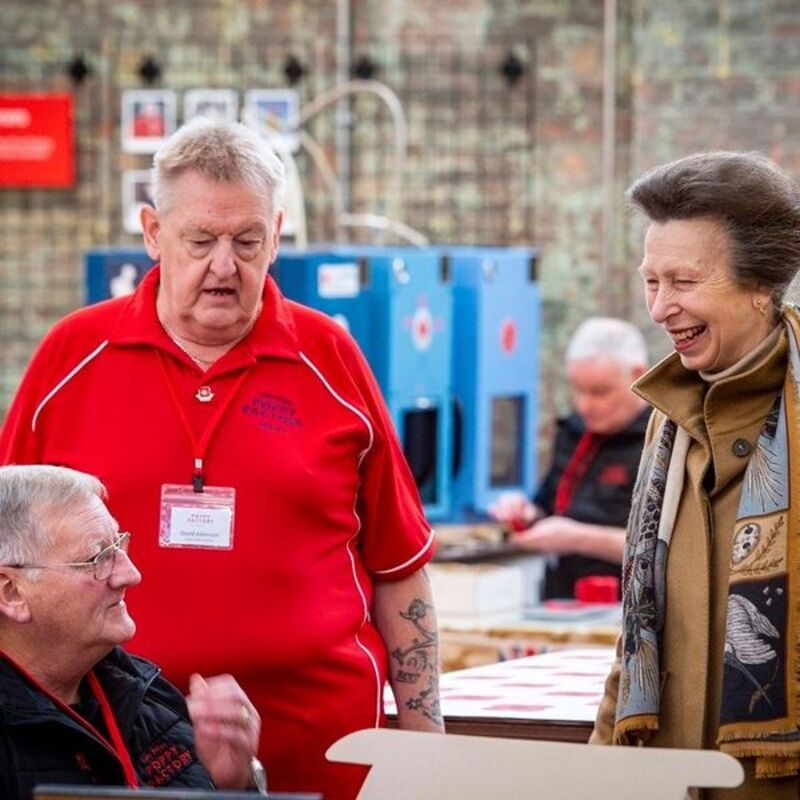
x,y
712,75
490,161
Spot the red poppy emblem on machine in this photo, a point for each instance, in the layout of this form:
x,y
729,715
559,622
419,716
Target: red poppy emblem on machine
x,y
422,328
508,336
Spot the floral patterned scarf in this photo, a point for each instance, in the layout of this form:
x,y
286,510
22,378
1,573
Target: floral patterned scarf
x,y
760,716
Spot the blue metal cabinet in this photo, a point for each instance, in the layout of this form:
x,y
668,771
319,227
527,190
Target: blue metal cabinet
x,y
497,312
332,283
411,354
398,307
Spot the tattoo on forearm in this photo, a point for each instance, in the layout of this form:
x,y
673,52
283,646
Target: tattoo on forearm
x,y
417,663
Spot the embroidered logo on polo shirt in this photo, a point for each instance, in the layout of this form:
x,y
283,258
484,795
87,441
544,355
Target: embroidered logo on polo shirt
x,y
163,762
272,412
615,474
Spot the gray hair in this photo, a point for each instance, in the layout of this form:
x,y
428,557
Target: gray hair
x,y
757,202
605,336
228,152
31,498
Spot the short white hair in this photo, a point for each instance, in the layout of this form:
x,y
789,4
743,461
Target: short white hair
x,y
228,152
33,497
599,337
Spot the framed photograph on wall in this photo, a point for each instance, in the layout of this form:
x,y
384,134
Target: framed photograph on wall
x,y
273,113
137,191
215,104
148,118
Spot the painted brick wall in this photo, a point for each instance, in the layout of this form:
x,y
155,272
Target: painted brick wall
x,y
712,75
490,161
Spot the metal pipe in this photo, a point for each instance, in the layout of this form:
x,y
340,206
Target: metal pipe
x,y
296,205
323,164
392,101
343,113
609,194
377,222
345,220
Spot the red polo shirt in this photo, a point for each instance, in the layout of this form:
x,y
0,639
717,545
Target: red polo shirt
x,y
325,506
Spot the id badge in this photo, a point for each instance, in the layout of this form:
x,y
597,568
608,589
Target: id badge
x,y
197,519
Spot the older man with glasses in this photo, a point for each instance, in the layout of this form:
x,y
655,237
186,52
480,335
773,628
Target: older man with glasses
x,y
74,707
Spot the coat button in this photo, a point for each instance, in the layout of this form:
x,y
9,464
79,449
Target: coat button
x,y
741,448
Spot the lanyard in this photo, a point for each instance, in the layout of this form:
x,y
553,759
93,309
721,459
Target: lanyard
x,y
118,745
576,470
200,446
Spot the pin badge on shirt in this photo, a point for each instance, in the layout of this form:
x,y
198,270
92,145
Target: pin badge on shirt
x,y
204,394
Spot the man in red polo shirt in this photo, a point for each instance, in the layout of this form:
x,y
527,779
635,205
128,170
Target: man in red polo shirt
x,y
244,441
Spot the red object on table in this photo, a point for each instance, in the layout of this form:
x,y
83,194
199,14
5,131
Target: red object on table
x,y
519,524
597,589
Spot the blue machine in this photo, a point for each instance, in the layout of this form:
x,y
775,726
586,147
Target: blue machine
x,y
466,415
413,356
114,272
333,283
401,316
497,311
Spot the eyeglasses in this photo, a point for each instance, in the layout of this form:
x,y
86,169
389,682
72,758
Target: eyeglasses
x,y
102,565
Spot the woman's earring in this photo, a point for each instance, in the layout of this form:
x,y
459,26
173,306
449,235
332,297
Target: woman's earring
x,y
761,307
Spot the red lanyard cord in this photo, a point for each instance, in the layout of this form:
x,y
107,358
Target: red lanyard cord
x,y
576,470
200,447
118,745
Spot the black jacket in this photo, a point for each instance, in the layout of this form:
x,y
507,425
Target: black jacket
x,y
602,498
40,743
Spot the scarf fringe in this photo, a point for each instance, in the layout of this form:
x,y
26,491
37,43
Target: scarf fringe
x,y
758,732
635,730
764,749
773,759
777,767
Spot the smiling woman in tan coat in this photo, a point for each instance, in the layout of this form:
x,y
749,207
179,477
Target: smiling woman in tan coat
x,y
710,648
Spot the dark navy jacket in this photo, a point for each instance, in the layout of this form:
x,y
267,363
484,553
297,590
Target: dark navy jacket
x,y
603,497
41,743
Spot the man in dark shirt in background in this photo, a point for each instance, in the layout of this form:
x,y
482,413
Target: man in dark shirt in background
x,y
580,510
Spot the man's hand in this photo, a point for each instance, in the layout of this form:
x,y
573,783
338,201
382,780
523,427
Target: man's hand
x,y
226,729
565,536
515,510
559,535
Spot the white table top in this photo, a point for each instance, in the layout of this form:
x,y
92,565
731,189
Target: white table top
x,y
563,686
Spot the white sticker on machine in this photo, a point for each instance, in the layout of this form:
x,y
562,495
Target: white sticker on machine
x,y
338,280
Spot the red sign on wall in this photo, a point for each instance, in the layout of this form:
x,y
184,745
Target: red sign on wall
x,y
36,140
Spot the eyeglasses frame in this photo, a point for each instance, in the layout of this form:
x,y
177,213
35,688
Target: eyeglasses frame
x,y
121,542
